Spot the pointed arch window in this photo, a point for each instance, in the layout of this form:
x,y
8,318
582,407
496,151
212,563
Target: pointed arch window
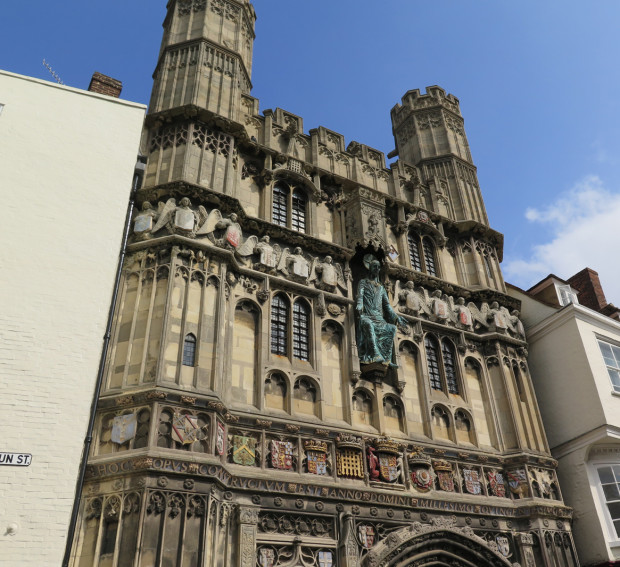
x,y
298,211
289,207
279,325
301,324
442,365
449,365
432,359
189,350
279,213
429,256
422,253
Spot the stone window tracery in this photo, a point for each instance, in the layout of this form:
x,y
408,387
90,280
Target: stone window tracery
x,y
279,325
290,328
447,349
392,410
463,426
432,360
279,211
362,407
441,423
276,392
442,368
289,207
422,253
301,322
305,396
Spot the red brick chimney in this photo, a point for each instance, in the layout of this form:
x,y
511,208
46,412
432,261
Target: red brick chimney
x,y
105,85
588,285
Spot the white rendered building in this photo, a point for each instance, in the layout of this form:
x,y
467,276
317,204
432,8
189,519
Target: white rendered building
x,y
67,160
574,358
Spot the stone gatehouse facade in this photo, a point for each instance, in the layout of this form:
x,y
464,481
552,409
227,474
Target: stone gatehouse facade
x,y
242,421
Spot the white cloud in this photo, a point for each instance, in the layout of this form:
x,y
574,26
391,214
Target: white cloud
x,y
584,225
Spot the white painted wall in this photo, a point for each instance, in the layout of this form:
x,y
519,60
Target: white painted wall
x,y
66,166
580,412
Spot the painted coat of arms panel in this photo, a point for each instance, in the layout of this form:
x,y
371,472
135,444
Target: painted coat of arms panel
x,y
244,450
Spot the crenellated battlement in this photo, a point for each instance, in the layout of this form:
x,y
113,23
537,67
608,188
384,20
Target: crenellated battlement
x,y
415,100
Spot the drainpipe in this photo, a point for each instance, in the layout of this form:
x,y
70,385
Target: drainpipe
x,y
136,184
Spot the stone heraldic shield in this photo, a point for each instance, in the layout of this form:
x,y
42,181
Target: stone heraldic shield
x,y
517,480
325,559
503,544
143,223
464,318
317,462
185,428
498,488
184,219
220,441
446,481
124,428
422,478
233,235
472,481
267,557
440,310
367,536
282,455
388,467
244,450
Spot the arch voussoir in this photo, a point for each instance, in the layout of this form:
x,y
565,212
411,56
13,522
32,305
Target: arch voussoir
x,y
436,544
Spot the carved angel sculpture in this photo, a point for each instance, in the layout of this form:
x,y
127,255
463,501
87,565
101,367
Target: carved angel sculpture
x,y
179,218
143,222
294,264
463,314
327,275
231,235
480,316
497,317
267,254
516,324
409,301
439,307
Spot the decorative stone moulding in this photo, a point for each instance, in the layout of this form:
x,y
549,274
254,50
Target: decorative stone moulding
x,y
347,441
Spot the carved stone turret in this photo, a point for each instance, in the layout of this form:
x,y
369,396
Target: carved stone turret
x,y
429,132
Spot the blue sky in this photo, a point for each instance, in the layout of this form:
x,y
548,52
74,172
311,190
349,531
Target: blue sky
x,y
538,83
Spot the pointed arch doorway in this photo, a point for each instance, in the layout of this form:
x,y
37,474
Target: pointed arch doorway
x,y
435,545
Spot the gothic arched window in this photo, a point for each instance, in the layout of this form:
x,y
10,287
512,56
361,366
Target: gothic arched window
x,y
449,366
289,207
279,325
189,350
432,359
279,213
422,253
442,368
298,211
301,330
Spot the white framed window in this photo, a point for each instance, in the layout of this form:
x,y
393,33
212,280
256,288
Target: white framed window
x,y
609,478
567,295
611,355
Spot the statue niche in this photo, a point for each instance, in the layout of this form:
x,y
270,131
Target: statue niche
x,y
376,323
